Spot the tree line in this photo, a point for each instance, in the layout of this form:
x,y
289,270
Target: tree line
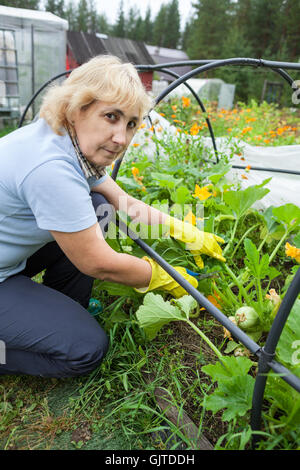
x,y
163,29
216,29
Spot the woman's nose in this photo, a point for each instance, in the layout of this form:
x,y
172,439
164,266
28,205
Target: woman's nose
x,y
120,135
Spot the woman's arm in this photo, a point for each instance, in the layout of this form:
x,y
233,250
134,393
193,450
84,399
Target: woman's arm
x,y
137,210
90,253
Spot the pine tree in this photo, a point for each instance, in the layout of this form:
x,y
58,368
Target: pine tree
x,y
148,27
131,22
291,15
119,28
71,15
103,25
82,17
266,26
209,29
92,17
172,35
159,27
27,4
57,7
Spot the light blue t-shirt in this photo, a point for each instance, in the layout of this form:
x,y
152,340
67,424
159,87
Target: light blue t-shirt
x,y
42,188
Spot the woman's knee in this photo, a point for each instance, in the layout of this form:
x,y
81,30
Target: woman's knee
x,y
87,353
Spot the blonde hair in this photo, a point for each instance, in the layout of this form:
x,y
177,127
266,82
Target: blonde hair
x,y
102,78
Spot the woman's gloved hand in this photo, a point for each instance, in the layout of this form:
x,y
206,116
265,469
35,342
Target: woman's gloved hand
x,y
197,242
160,279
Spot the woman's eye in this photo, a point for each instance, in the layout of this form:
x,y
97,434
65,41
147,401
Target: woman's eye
x,y
112,116
132,124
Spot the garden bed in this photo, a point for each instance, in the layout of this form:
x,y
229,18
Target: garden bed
x,y
262,256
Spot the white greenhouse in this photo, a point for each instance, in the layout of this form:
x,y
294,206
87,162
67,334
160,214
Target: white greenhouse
x,y
32,50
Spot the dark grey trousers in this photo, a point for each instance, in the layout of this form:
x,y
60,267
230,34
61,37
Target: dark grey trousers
x,y
45,329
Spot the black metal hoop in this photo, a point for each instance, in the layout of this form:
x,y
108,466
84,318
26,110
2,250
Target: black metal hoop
x,y
265,354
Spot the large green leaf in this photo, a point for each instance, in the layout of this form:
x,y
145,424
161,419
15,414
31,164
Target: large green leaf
x,y
258,267
113,288
234,394
155,313
288,215
182,195
241,201
166,180
235,387
187,304
230,367
288,348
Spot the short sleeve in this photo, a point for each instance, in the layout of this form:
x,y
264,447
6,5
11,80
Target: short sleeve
x,y
93,181
58,197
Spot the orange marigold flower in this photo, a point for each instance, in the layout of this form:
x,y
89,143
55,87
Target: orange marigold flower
x,y
162,114
174,107
214,301
135,171
247,129
136,145
292,252
185,102
173,116
248,167
194,129
142,126
244,177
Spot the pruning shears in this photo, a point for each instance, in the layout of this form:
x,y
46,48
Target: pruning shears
x,y
200,276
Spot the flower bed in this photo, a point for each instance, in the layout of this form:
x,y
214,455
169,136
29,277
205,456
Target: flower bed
x,y
262,250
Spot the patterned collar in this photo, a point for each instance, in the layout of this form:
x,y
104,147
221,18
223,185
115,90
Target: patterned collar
x,y
88,168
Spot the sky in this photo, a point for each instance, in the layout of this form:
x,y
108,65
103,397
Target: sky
x,y
111,8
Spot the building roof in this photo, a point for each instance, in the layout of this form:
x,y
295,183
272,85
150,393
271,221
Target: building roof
x,y
163,55
20,15
85,45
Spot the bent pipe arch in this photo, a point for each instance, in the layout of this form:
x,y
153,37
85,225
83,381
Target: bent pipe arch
x,y
209,65
266,354
175,75
38,92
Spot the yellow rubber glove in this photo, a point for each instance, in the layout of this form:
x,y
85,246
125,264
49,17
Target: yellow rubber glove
x,y
197,242
160,279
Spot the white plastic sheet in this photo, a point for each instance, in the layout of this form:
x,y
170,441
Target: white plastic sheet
x,y
284,187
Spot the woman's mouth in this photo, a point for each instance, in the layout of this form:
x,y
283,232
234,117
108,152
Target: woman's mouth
x,y
111,152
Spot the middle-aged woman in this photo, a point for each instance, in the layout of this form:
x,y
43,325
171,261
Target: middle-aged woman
x,y
52,184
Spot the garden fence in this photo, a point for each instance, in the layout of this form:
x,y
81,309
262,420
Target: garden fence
x,y
265,354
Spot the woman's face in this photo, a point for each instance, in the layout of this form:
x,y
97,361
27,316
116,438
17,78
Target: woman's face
x,y
104,130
